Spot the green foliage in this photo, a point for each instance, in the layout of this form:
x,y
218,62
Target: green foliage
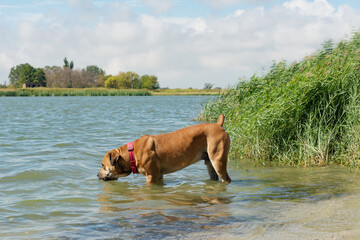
x,y
39,76
149,82
301,113
25,73
126,80
67,64
95,70
112,82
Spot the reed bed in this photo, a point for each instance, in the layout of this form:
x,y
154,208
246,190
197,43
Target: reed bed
x,y
42,92
305,113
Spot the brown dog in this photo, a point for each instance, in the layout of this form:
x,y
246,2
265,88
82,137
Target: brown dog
x,y
166,153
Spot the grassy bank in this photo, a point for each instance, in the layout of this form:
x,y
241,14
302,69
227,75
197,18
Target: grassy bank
x,y
179,91
40,92
305,113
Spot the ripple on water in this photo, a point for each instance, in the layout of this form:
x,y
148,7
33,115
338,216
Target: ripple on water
x,y
68,144
36,203
31,176
50,156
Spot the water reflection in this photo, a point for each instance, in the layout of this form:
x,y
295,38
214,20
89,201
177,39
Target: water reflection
x,y
256,199
305,184
166,210
150,196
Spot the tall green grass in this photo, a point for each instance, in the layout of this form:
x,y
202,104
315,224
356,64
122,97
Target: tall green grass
x,y
41,92
303,113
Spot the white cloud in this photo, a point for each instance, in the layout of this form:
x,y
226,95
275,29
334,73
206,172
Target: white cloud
x,y
159,6
227,3
191,26
182,52
320,8
81,4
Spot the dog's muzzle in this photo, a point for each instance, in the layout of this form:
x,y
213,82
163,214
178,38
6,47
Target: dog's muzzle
x,y
106,177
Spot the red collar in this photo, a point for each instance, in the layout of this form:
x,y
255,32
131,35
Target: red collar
x,y
132,157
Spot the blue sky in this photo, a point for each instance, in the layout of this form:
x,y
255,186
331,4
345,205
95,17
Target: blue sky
x,y
186,43
177,8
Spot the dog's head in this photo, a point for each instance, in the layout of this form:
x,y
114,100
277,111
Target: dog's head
x,y
113,166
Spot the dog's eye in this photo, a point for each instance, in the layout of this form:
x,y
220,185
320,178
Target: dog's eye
x,y
102,165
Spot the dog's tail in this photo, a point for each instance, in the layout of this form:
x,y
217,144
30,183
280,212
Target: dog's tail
x,y
221,120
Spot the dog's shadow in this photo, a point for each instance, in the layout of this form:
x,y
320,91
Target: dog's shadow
x,y
123,196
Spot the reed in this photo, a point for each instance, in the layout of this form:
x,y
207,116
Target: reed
x,y
305,113
40,92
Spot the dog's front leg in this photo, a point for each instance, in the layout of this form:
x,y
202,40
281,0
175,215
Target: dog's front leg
x,y
151,166
150,179
153,173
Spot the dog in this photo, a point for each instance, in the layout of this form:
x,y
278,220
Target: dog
x,y
156,155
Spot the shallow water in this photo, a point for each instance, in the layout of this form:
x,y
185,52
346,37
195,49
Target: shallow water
x,y
51,150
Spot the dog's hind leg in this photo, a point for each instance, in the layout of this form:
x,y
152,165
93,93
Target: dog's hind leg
x,y
218,154
219,165
212,173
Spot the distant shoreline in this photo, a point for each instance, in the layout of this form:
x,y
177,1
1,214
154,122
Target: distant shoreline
x,y
179,91
53,92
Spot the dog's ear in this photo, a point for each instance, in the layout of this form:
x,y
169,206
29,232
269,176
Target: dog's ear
x,y
113,157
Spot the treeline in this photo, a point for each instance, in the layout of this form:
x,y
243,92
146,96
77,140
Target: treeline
x,y
68,77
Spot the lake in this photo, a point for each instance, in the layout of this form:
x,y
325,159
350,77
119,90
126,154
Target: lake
x,y
51,150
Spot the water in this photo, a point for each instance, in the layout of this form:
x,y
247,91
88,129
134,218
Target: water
x,y
51,150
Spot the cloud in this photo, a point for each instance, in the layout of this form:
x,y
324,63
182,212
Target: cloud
x,y
159,6
227,3
182,52
80,3
319,8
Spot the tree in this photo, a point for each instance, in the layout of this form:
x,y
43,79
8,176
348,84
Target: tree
x,y
112,82
102,79
149,82
124,81
39,76
15,74
67,78
58,77
96,74
66,63
208,86
25,73
95,70
132,78
52,74
129,80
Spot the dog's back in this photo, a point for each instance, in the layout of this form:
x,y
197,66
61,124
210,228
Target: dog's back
x,y
186,146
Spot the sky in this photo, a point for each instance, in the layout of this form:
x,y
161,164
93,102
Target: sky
x,y
185,43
